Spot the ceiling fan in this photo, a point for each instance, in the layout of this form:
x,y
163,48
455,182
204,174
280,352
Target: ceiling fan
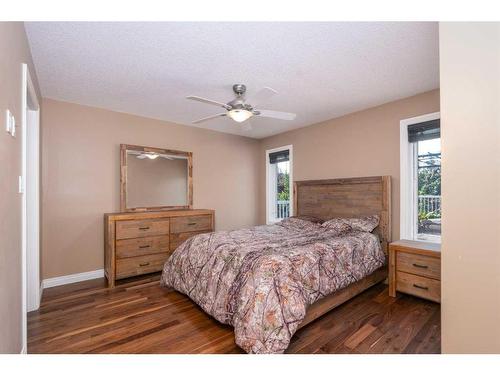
x,y
241,111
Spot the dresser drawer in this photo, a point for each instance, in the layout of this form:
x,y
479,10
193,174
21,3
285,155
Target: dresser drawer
x,y
419,264
142,246
141,228
418,286
177,238
190,223
138,265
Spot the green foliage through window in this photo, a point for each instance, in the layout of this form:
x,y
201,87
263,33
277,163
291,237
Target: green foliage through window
x,y
283,186
429,192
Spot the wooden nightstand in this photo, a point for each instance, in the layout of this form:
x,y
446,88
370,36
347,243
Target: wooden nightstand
x,y
415,268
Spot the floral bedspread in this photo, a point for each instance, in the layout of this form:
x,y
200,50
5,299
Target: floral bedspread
x,y
262,279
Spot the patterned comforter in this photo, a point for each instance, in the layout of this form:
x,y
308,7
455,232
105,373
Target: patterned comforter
x,y
261,280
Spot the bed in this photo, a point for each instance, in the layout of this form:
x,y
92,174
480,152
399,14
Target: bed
x,y
269,281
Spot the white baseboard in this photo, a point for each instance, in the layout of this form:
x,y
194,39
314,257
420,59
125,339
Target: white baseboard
x,y
74,278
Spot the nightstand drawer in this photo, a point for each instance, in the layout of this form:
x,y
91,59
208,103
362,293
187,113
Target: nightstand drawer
x,y
418,286
419,265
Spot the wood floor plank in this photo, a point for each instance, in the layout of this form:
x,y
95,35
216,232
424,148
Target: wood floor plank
x,y
352,323
401,323
139,316
358,336
428,339
136,336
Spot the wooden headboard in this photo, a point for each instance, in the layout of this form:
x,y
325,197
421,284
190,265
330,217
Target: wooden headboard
x,y
346,197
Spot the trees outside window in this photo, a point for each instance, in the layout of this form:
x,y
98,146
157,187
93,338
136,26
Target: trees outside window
x,y
429,186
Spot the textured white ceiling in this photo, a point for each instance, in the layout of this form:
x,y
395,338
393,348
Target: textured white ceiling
x,y
320,70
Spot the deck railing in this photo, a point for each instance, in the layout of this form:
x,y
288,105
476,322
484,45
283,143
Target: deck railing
x,y
282,209
429,203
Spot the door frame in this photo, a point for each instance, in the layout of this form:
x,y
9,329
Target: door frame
x,y
29,187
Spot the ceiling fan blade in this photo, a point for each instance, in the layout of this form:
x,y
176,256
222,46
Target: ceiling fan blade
x,y
277,115
141,156
208,101
262,95
209,118
246,126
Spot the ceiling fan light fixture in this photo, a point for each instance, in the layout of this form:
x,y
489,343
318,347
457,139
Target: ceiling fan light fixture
x,y
239,115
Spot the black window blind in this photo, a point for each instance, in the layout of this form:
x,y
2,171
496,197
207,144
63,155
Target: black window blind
x,y
424,131
279,156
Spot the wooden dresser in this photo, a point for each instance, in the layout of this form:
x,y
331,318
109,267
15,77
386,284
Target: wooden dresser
x,y
137,243
415,268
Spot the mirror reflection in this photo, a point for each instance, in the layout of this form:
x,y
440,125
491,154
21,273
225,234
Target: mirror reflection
x,y
156,179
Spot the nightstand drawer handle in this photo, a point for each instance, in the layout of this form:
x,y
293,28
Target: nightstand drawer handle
x,y
420,287
144,247
144,264
191,223
419,265
144,228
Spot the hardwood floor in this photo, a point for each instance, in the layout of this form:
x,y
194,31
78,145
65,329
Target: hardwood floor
x,y
141,317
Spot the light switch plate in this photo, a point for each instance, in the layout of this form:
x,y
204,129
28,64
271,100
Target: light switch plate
x,y
7,121
12,126
10,123
21,185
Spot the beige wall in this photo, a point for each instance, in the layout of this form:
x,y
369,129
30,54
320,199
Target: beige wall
x,y
470,123
156,182
80,177
14,51
364,143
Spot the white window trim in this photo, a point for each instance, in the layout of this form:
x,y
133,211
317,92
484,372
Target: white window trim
x,y
408,197
269,208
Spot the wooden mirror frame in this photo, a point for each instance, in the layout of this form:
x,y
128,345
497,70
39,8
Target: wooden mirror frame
x,y
123,177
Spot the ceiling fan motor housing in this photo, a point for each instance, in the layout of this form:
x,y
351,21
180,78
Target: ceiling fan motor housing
x,y
239,103
239,89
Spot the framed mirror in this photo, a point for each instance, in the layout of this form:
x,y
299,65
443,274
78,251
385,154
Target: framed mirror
x,y
155,179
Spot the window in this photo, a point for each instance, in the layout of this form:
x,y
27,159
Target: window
x,y
279,183
421,178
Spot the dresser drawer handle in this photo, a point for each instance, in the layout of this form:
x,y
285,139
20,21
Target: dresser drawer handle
x,y
143,264
419,265
143,228
191,223
420,287
144,246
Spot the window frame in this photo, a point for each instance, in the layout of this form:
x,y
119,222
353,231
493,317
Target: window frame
x,y
408,180
270,205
